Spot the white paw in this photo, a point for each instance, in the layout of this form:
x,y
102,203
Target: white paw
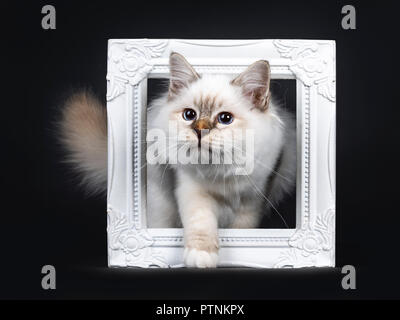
x,y
199,258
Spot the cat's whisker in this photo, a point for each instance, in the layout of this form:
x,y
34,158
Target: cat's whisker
x,y
266,198
267,167
162,153
162,176
237,187
215,176
224,183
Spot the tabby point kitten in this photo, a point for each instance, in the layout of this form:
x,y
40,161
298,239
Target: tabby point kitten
x,y
206,111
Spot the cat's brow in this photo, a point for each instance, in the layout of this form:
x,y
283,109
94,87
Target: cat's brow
x,y
207,103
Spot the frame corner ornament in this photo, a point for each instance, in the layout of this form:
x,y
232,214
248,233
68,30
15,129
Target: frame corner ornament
x,y
313,62
312,245
129,61
134,244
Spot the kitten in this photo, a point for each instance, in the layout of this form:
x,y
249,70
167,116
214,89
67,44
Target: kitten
x,y
206,111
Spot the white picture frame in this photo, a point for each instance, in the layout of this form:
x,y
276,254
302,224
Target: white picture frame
x,y
312,63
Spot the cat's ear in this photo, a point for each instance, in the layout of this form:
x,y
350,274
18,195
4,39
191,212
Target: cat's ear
x,y
255,83
181,74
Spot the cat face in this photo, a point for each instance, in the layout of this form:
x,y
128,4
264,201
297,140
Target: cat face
x,y
210,113
215,114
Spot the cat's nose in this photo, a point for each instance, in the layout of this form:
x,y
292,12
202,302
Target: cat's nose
x,y
201,127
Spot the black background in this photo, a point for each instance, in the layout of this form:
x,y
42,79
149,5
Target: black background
x,y
45,219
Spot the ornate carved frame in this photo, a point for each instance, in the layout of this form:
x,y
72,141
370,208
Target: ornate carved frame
x,y
311,63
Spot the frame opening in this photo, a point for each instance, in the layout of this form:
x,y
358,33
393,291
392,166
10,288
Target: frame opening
x,y
283,215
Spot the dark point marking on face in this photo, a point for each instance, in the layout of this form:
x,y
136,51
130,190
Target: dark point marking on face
x,y
202,124
202,127
206,104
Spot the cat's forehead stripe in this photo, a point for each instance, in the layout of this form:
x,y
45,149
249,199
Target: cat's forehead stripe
x,y
206,102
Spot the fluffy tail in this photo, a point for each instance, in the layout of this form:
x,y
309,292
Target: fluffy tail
x,y
84,136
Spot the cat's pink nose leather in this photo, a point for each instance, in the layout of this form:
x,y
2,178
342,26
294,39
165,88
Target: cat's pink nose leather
x,y
202,127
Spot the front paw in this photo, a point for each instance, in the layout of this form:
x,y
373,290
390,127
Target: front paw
x,y
195,258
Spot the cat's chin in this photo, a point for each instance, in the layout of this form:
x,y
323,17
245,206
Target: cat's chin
x,y
203,150
209,155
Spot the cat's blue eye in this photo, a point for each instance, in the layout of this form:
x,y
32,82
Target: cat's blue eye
x,y
189,114
225,117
